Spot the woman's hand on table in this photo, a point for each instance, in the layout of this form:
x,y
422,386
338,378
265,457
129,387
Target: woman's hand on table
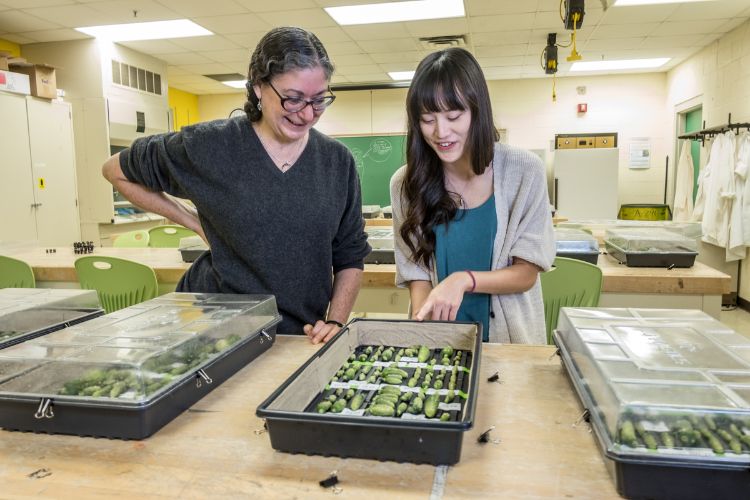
x,y
444,300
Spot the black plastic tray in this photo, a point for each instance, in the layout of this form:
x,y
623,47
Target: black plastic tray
x,y
657,477
88,417
191,254
381,256
380,438
590,257
53,319
684,258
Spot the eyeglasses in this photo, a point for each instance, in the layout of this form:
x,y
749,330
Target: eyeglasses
x,y
297,104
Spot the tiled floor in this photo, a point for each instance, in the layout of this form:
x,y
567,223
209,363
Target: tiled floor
x,y
737,319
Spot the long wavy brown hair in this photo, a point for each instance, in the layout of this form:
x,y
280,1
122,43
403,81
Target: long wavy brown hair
x,y
446,80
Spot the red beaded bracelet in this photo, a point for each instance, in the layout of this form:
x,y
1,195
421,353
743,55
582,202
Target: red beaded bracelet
x,y
473,281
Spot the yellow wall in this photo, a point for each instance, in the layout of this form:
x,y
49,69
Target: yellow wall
x,y
184,107
14,49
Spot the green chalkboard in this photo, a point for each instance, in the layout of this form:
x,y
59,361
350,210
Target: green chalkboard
x,y
377,157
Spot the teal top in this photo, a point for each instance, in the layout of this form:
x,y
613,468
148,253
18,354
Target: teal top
x,y
466,243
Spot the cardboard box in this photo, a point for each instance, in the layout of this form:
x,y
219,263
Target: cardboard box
x,y
14,82
41,78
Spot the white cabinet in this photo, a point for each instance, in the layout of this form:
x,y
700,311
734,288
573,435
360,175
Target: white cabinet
x,y
586,183
38,188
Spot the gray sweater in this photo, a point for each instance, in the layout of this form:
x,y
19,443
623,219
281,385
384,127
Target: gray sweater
x,y
270,232
524,230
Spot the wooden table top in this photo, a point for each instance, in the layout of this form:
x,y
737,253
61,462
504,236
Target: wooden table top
x,y
169,268
215,449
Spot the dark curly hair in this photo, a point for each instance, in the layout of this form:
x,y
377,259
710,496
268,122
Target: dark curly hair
x,y
446,80
279,51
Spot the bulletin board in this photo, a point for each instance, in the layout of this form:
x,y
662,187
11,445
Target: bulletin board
x,y
377,158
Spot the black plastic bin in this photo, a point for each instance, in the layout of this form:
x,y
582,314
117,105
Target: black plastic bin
x,y
213,335
293,428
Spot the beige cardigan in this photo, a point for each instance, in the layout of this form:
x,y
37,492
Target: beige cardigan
x,y
524,231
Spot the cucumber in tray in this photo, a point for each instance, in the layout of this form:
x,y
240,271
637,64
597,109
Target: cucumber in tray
x,y
722,434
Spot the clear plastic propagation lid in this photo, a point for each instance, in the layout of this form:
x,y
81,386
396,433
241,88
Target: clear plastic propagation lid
x,y
650,240
672,384
380,237
134,354
598,227
28,310
571,240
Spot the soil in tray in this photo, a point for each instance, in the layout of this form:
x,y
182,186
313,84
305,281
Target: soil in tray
x,y
400,382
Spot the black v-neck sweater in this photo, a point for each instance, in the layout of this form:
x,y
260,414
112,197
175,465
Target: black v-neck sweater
x,y
270,232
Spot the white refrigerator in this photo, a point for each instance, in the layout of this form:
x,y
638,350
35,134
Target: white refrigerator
x,y
585,183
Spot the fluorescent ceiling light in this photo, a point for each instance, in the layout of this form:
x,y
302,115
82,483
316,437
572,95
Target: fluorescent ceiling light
x,y
236,84
401,75
155,30
622,64
627,3
396,11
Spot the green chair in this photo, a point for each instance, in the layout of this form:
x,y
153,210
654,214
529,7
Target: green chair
x,y
15,273
570,283
132,239
118,282
168,236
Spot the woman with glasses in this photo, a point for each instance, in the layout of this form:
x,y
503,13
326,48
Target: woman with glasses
x,y
471,218
278,202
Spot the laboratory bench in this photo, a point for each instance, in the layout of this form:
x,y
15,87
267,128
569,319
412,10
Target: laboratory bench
x,y
539,446
697,287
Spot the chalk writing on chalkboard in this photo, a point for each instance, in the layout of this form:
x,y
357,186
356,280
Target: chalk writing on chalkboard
x,y
376,158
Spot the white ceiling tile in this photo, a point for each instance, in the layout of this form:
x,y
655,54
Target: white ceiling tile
x,y
305,18
611,43
16,21
227,56
363,69
207,69
30,4
492,23
382,31
154,47
491,7
203,43
242,23
277,5
342,48
659,42
639,14
176,71
247,40
501,61
501,38
551,21
20,40
689,27
699,11
549,5
397,44
189,78
339,79
498,71
397,57
332,35
352,59
59,35
730,25
625,31
183,58
437,27
501,50
197,8
370,77
121,11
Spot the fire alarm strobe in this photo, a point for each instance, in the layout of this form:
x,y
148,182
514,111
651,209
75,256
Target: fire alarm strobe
x,y
582,107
